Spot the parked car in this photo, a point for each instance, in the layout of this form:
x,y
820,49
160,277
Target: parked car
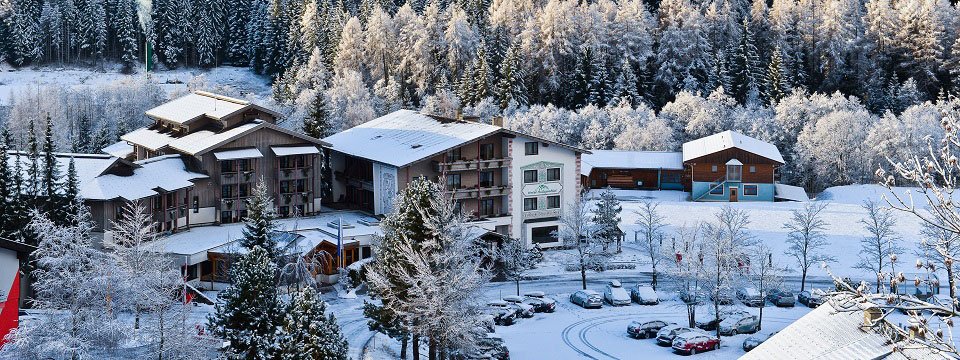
x,y
667,333
714,321
644,295
812,298
526,309
733,325
749,296
615,294
500,304
752,342
694,341
645,329
540,301
781,298
501,316
587,299
722,298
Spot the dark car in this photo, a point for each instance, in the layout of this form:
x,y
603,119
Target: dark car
x,y
781,298
541,303
712,323
752,342
749,296
811,298
693,342
501,316
645,329
666,335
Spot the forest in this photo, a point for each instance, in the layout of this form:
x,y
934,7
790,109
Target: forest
x,y
816,77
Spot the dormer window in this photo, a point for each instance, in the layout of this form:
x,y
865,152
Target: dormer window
x,y
734,170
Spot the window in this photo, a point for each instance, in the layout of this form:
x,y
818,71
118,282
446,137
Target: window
x,y
284,211
544,234
531,148
453,155
486,207
284,187
301,185
486,151
226,191
553,202
529,176
244,165
196,204
713,168
486,179
716,189
753,168
553,174
529,204
453,181
458,207
244,190
734,172
226,166
226,217
750,190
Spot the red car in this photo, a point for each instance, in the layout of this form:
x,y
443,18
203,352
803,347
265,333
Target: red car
x,y
694,341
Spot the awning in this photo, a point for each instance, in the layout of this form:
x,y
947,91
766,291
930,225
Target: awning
x,y
238,154
294,150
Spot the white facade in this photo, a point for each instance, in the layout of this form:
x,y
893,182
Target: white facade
x,y
531,225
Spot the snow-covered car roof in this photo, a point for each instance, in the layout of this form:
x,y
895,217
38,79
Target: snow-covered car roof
x,y
750,291
513,298
691,334
588,292
615,283
535,293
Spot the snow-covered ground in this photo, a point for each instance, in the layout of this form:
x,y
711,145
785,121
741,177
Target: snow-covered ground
x,y
575,333
244,81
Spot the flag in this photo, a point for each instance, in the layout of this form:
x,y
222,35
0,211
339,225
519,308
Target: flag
x,y
11,309
340,242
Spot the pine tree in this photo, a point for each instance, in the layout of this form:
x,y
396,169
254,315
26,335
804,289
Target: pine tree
x,y
207,31
260,222
6,182
237,48
308,333
51,170
248,314
33,183
607,217
317,122
126,26
71,193
19,204
387,322
81,136
590,79
512,86
776,83
745,64
625,85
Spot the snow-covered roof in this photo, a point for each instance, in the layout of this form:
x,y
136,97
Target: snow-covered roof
x,y
166,173
195,105
404,137
616,159
790,192
826,333
730,139
294,150
88,166
149,138
199,142
120,149
250,153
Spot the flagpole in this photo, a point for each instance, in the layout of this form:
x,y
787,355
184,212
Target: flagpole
x,y
340,242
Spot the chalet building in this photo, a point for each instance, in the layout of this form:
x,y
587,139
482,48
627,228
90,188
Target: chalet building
x,y
730,166
233,144
504,181
642,170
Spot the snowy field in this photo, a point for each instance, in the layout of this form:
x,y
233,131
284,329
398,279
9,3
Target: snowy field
x,y
241,80
575,333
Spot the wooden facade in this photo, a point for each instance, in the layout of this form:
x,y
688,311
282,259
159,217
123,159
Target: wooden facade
x,y
712,167
639,179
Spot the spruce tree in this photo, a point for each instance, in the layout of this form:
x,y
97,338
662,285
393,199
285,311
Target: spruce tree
x,y
126,25
607,216
317,122
745,64
260,222
5,185
51,170
81,136
71,194
387,322
625,85
19,204
776,85
33,183
512,86
237,49
308,333
248,314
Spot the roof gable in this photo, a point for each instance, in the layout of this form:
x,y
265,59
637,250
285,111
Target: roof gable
x,y
730,139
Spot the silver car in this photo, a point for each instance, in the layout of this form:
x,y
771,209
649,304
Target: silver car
x,y
587,299
739,325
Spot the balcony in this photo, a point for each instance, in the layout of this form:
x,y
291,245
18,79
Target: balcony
x,y
359,183
295,173
542,213
468,165
233,203
477,192
238,177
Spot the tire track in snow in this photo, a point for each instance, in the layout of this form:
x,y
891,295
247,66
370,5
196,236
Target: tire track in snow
x,y
584,326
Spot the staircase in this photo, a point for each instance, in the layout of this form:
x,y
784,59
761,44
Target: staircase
x,y
720,182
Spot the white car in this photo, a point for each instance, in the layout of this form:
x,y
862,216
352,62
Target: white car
x,y
615,294
644,295
518,301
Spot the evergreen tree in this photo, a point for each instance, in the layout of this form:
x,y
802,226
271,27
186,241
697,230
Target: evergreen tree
x,y
126,26
237,48
745,65
207,31
51,170
33,184
6,182
607,217
18,212
317,122
248,314
260,222
475,83
81,136
590,79
71,194
308,333
625,85
387,322
777,85
512,86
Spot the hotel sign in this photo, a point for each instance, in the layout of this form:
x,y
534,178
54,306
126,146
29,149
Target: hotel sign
x,y
542,189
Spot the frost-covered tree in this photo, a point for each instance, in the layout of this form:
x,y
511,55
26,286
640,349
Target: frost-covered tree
x,y
308,332
776,82
649,234
685,268
806,240
517,259
350,101
834,147
248,314
579,233
260,223
942,248
765,274
880,248
511,88
725,243
389,323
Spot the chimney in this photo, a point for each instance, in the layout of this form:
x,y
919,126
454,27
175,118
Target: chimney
x,y
498,121
871,315
459,115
